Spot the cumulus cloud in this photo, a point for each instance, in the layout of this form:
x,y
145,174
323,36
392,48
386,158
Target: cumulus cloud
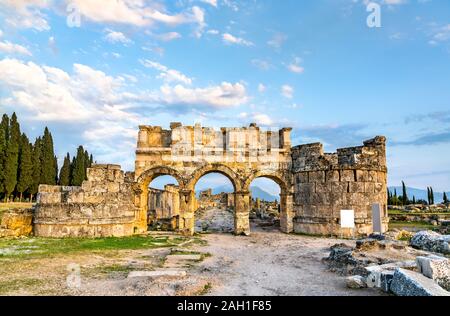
x,y
277,40
295,66
167,74
287,91
11,48
211,2
258,118
167,37
26,13
116,37
230,39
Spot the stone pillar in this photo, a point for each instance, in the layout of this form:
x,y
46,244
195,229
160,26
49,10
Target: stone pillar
x,y
187,212
287,213
242,213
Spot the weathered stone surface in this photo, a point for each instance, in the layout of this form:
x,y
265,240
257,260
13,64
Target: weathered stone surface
x,y
157,274
431,241
436,268
380,276
410,283
355,282
16,223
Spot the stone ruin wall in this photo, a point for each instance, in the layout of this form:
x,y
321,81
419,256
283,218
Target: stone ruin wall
x,y
102,207
164,206
324,184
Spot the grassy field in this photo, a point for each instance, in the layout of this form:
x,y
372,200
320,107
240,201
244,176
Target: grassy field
x,y
32,248
397,212
411,226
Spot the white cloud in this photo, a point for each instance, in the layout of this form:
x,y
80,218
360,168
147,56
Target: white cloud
x,y
258,118
116,37
277,40
225,95
230,39
213,32
287,91
211,2
295,66
11,48
167,37
261,88
167,74
1,33
26,13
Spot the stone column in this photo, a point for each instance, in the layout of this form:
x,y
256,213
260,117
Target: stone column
x,y
287,213
242,213
187,212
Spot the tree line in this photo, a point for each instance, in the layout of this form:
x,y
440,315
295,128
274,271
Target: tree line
x,y
403,199
25,165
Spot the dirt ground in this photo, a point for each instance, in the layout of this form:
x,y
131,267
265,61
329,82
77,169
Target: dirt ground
x,y
266,263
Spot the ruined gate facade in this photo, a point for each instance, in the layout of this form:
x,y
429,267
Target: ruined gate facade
x,y
315,186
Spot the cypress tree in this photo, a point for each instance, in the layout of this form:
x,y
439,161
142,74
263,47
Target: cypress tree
x,y
25,178
64,175
91,161
87,163
404,196
414,199
3,142
12,157
79,169
445,198
37,155
432,196
48,170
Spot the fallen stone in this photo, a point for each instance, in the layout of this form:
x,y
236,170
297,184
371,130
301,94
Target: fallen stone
x,y
157,274
411,283
431,241
356,282
436,268
379,276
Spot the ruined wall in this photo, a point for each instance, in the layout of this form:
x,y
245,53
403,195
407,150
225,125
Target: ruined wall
x,y
16,223
324,184
164,204
102,207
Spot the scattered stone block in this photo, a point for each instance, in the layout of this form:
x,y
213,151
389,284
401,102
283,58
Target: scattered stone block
x,y
436,268
379,276
411,283
157,274
356,282
431,241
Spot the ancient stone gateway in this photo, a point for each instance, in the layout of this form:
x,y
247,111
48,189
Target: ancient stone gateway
x,y
315,186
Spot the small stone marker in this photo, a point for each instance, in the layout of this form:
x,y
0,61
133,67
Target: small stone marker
x,y
376,218
157,274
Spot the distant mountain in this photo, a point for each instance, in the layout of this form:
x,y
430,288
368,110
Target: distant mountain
x,y
257,192
420,194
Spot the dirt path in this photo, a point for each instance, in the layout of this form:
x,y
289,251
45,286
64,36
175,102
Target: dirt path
x,y
271,263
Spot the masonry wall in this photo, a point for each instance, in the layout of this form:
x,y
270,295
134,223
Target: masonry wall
x,y
102,207
324,184
163,204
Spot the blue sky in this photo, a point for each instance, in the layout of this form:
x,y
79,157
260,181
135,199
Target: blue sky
x,y
313,65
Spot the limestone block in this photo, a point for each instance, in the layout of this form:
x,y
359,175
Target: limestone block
x,y
369,187
362,175
332,176
96,174
410,283
373,176
302,177
436,268
49,188
307,188
381,177
323,187
49,198
357,187
347,175
355,282
379,188
377,274
113,187
76,197
317,176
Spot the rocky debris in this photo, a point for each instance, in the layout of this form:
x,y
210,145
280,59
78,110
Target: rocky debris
x,y
397,234
411,283
356,282
436,268
378,244
16,223
380,276
431,241
157,274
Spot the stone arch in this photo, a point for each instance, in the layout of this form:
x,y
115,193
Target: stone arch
x,y
275,176
215,168
149,175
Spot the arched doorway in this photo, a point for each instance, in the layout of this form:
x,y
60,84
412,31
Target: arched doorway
x,y
158,198
214,212
265,208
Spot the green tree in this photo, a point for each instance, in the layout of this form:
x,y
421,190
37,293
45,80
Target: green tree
x,y
404,195
64,175
445,198
3,143
48,169
12,156
79,168
431,196
37,158
25,177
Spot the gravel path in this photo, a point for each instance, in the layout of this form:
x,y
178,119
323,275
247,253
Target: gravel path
x,y
271,263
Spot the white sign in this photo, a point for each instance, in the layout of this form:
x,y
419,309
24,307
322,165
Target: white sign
x,y
347,219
